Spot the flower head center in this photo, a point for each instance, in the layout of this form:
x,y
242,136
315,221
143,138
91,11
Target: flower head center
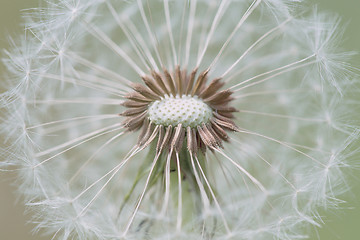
x,y
187,110
178,107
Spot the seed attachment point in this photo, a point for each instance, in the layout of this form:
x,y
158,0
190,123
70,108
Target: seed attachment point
x,y
178,109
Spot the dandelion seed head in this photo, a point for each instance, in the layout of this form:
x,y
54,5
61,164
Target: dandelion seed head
x,y
181,106
179,119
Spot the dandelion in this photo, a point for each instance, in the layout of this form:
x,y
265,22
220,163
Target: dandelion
x,y
179,119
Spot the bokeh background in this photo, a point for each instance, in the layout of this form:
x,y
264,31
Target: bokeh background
x,y
343,224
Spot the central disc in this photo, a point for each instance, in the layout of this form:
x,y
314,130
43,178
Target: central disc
x,y
187,110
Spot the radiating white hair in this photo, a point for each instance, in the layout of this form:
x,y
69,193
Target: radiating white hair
x,y
83,174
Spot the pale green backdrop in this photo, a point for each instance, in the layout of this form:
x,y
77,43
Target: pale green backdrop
x,y
341,225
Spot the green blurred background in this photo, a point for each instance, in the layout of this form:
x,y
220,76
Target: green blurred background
x,y
343,224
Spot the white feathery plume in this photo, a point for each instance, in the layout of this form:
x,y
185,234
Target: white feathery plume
x,y
269,150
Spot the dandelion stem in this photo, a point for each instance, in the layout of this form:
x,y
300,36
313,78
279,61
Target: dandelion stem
x,y
141,196
213,196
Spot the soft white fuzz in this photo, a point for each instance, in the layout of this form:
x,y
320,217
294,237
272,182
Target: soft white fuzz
x,y
82,174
